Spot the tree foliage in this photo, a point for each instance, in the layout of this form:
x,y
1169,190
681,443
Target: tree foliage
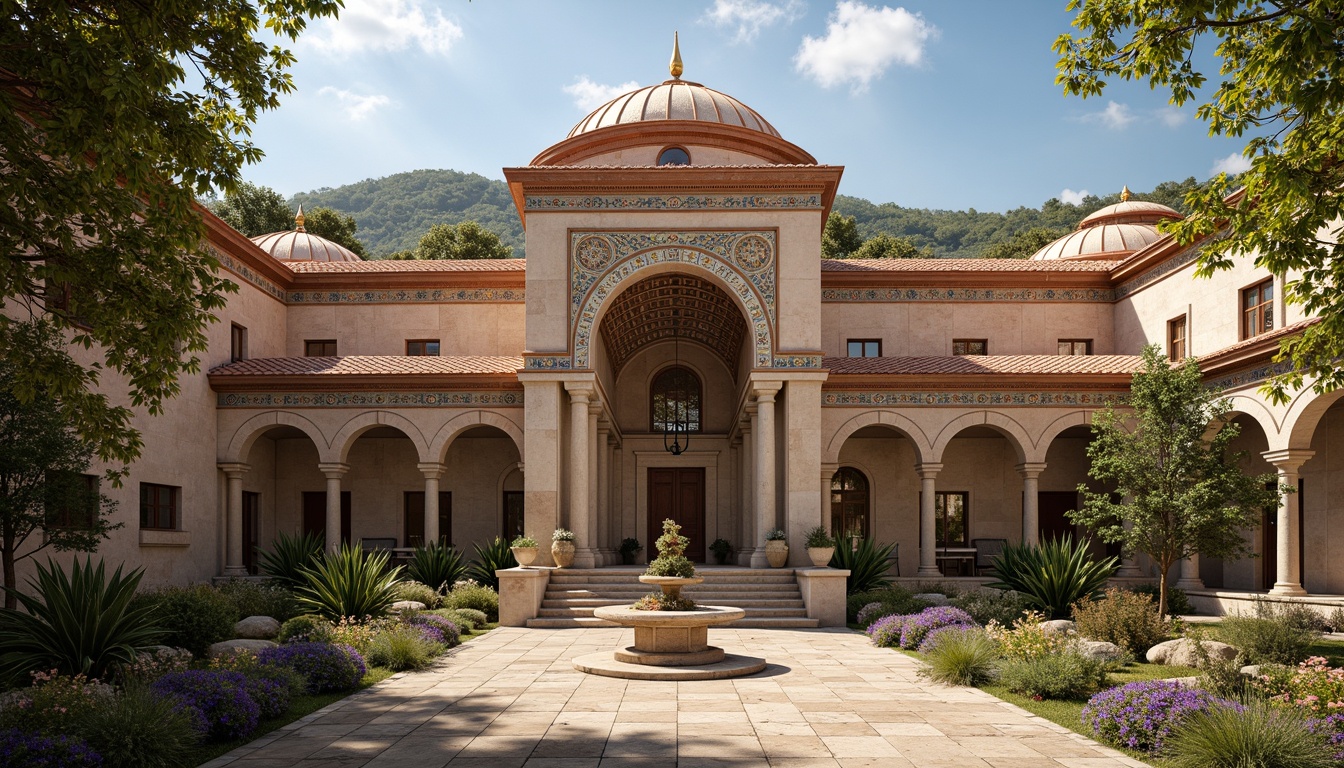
x,y
1179,486
465,240
1282,88
841,238
334,226
114,116
1024,244
254,210
884,246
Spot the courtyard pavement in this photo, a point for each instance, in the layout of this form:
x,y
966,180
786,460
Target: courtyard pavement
x,y
828,698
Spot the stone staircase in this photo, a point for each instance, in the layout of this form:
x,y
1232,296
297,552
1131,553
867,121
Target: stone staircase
x,y
769,596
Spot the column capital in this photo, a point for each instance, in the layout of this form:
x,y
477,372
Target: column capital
x,y
234,469
928,469
580,391
828,470
1030,470
1288,459
333,470
764,391
431,469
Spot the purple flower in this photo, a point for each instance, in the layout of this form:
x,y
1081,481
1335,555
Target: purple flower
x,y
436,628
29,750
934,636
1141,716
221,698
326,667
886,631
921,624
1331,727
870,613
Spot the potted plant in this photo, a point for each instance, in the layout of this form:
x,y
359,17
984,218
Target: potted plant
x,y
630,548
524,550
820,546
562,547
776,548
722,550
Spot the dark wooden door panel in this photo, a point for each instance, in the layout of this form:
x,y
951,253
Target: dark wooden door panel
x,y
1052,506
315,514
678,493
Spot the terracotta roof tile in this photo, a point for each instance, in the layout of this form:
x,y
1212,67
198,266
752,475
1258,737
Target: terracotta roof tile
x,y
1287,330
675,168
416,265
963,265
358,365
985,364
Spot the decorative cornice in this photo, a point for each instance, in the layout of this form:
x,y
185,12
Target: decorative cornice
x,y
944,294
701,202
246,272
1161,270
396,399
410,296
972,398
1247,377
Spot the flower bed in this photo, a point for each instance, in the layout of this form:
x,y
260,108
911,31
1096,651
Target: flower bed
x,y
1141,716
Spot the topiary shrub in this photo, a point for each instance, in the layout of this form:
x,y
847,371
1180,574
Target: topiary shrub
x,y
1142,716
477,597
30,750
985,605
327,668
251,598
958,655
420,593
220,696
140,728
1067,675
305,628
1128,619
192,617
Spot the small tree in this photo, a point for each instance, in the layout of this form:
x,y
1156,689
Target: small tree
x,y
465,240
335,226
884,246
841,237
1180,487
254,210
42,460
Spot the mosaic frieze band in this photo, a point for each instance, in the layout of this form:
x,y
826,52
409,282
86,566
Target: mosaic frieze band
x,y
242,270
366,399
547,363
797,361
1248,377
1003,398
895,295
672,202
432,296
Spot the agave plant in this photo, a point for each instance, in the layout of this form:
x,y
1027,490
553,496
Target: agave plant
x,y
289,555
78,623
492,557
1052,575
350,583
437,565
867,564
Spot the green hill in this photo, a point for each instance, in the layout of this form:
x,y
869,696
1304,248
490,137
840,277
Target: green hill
x,y
394,211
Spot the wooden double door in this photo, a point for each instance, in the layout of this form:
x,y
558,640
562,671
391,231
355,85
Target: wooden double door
x,y
678,493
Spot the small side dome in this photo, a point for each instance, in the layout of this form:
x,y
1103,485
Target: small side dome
x,y
298,245
674,100
1111,233
1130,212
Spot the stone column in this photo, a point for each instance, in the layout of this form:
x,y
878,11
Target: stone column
x,y
1189,574
233,549
432,471
1031,515
827,472
764,450
1288,462
747,546
604,526
1129,564
334,472
579,452
928,553
543,416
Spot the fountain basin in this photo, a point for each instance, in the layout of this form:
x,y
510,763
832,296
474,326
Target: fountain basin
x,y
669,645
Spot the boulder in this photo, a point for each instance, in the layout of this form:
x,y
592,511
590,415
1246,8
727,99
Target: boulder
x,y
229,646
1251,670
257,628
1059,627
1181,652
1100,650
932,598
408,605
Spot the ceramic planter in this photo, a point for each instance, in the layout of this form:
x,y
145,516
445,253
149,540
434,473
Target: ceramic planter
x,y
777,552
563,552
821,556
524,555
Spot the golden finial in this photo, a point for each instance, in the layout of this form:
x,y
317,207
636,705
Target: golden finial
x,y
1124,195
298,219
675,66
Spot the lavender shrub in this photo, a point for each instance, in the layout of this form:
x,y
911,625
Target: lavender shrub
x,y
30,750
871,613
326,667
886,631
931,639
919,625
437,629
1141,716
222,698
1331,728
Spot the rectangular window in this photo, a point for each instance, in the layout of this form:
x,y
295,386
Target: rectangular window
x,y
159,506
1075,346
864,347
1176,339
423,347
951,511
319,348
1257,309
72,501
970,347
237,343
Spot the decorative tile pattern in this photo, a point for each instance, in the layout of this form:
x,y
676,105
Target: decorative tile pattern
x,y
1248,377
798,361
998,398
367,399
242,270
546,362
671,202
417,296
893,295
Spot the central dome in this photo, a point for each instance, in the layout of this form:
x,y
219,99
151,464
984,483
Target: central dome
x,y
674,100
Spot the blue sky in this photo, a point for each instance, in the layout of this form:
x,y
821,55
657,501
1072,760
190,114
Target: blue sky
x,y
935,104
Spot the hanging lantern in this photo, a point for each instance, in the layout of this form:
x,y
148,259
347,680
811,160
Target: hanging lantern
x,y
676,429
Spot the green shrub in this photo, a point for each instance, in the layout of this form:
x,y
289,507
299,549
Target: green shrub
x,y
1053,575
985,605
289,556
868,565
894,599
308,628
965,657
350,583
1256,735
141,729
1027,638
84,622
192,617
495,556
436,564
1336,621
1067,675
1178,603
400,648
251,598
1269,636
55,704
466,618
420,593
1128,619
478,597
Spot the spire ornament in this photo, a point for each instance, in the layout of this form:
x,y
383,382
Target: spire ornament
x,y
1125,195
298,219
675,65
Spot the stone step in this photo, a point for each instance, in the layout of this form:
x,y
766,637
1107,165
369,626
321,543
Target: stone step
x,y
723,586
594,602
698,595
765,622
744,576
556,612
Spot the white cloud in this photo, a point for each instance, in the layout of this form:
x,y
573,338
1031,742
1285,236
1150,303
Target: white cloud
x,y
590,95
751,16
1231,165
356,106
1172,117
386,25
1115,116
861,42
1073,198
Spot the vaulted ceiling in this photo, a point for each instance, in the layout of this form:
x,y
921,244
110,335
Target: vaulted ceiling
x,y
649,310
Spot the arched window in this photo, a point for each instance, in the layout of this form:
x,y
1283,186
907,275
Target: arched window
x,y
674,156
849,504
675,396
